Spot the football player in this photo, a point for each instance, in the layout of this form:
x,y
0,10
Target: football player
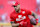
x,y
20,17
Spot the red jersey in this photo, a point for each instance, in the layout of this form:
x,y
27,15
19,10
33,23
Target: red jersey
x,y
22,16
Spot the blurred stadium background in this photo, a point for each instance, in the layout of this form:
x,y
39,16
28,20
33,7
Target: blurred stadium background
x,y
6,8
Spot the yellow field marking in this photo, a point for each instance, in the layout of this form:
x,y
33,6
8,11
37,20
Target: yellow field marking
x,y
9,24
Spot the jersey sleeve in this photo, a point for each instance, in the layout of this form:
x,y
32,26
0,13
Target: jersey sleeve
x,y
11,17
28,12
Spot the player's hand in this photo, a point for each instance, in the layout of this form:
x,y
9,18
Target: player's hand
x,y
23,23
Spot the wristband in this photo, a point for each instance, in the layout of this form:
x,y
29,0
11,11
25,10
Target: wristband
x,y
37,21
